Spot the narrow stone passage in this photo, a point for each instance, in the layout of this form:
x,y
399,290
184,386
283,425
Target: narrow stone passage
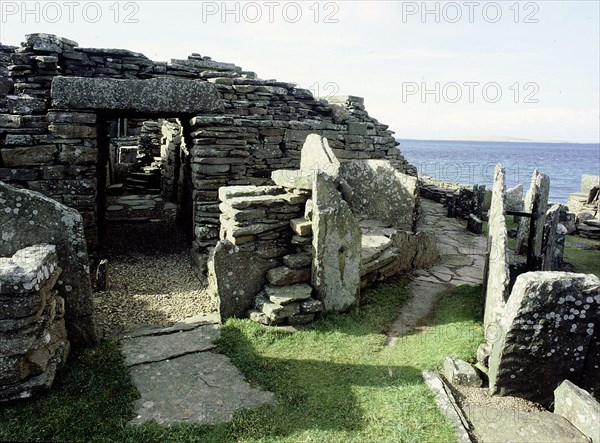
x,y
462,258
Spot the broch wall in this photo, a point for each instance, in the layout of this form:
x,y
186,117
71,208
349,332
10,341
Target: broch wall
x,y
237,127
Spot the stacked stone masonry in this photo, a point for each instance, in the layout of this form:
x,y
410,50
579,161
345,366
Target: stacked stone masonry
x,y
290,251
33,338
242,129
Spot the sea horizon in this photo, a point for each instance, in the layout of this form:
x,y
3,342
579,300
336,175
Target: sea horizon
x,y
472,162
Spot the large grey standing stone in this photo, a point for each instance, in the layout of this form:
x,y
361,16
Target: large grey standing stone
x,y
235,277
202,387
545,334
336,247
376,189
317,156
28,218
156,95
498,273
536,201
579,407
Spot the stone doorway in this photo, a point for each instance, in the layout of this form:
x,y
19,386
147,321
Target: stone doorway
x,y
145,222
151,278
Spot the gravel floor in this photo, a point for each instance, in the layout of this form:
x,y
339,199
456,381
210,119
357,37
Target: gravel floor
x,y
150,275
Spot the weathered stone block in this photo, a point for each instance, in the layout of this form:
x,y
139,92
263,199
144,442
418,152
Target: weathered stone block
x,y
157,95
579,407
283,295
301,226
28,156
459,372
282,276
235,277
536,201
72,131
10,121
48,221
336,247
376,189
278,313
311,306
297,261
544,334
317,156
294,178
498,272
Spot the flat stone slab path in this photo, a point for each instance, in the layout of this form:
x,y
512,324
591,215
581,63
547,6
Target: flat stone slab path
x,y
462,259
180,379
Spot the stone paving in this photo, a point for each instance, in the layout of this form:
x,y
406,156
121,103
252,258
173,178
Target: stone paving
x,y
462,259
180,379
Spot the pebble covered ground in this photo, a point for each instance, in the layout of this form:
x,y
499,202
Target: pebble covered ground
x,y
151,279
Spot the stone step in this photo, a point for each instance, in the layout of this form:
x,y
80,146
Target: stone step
x,y
297,261
373,246
283,295
388,256
593,222
588,231
283,276
301,226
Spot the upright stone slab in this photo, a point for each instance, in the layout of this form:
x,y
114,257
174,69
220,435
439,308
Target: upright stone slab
x,y
536,201
28,218
235,277
546,331
317,156
498,273
377,190
336,247
553,240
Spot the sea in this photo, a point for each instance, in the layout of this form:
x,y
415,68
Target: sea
x,y
473,162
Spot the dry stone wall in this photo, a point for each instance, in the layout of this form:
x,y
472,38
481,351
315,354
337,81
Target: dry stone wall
x,y
28,218
288,252
33,339
241,130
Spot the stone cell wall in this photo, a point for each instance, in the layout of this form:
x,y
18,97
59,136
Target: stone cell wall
x,y
33,339
260,127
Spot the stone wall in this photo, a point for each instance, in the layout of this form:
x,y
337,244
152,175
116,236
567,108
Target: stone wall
x,y
49,142
33,339
288,252
28,218
460,199
170,153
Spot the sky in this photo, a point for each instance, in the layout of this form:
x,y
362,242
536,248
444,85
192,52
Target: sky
x,y
467,70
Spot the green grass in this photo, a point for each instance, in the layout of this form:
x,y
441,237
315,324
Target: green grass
x,y
334,381
586,261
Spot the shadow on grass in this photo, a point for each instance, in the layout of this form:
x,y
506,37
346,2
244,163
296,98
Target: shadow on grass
x,y
330,379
